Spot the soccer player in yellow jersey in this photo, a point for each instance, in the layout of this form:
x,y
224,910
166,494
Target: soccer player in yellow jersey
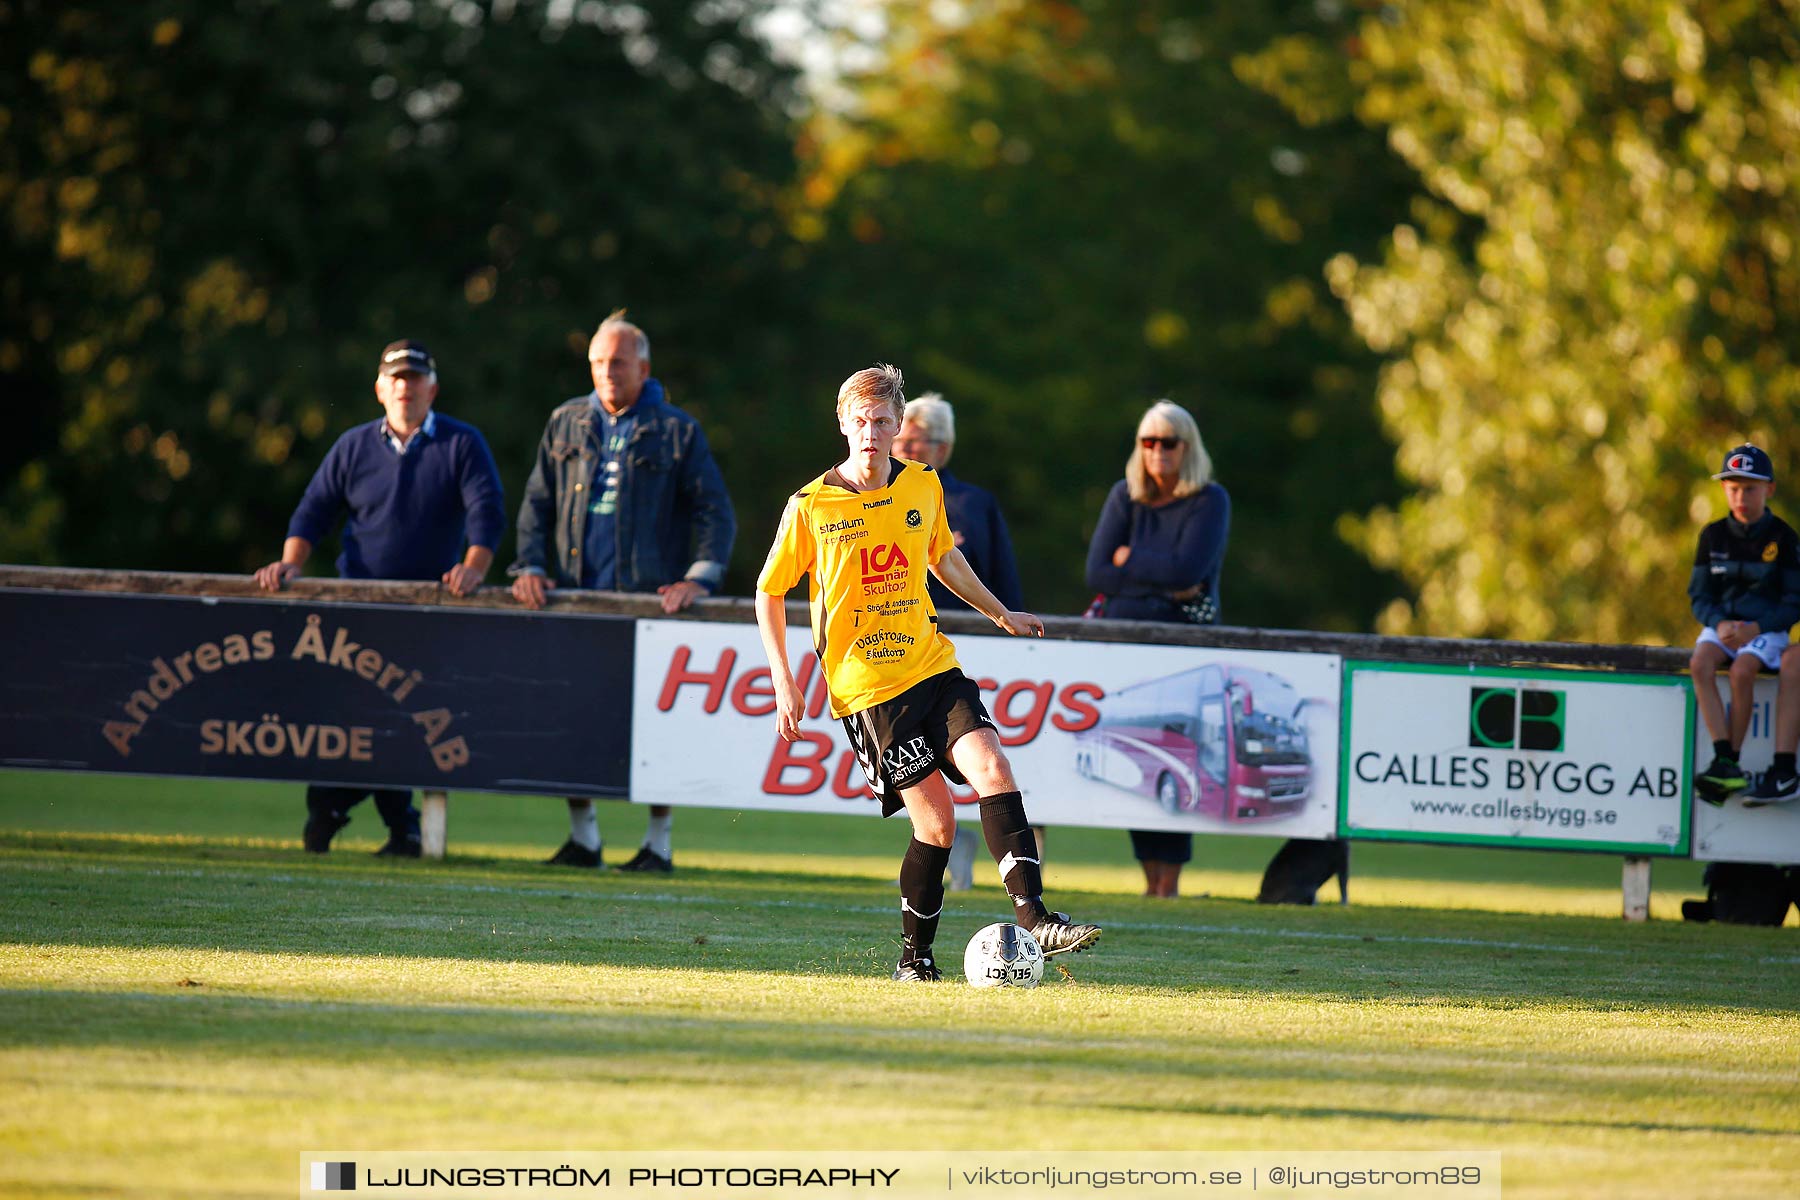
x,y
867,531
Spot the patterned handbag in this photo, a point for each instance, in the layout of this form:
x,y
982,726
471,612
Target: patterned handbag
x,y
1202,609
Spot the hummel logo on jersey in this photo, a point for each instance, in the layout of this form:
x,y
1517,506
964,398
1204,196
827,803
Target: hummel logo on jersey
x,y
881,503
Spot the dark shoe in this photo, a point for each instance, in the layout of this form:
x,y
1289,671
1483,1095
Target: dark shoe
x,y
1059,935
1773,789
1696,910
400,845
573,854
319,830
648,860
918,970
1720,781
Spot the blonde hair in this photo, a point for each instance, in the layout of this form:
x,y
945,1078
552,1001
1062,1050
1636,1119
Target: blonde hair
x,y
879,382
615,320
932,413
1196,464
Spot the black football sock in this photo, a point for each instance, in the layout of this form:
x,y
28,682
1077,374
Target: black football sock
x,y
921,898
1722,749
1784,764
1014,847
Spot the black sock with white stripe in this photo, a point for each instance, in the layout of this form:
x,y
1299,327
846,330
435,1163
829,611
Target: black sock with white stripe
x,y
1014,847
921,898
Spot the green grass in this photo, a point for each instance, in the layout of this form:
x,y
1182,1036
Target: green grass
x,y
187,1001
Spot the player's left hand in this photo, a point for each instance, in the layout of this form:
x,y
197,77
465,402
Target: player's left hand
x,y
677,596
1021,624
462,580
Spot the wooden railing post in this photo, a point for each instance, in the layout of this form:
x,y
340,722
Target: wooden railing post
x,y
434,823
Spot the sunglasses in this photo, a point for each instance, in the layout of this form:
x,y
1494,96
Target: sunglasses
x,y
1152,443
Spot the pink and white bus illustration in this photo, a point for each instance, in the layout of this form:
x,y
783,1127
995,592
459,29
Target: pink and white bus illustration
x,y
1220,741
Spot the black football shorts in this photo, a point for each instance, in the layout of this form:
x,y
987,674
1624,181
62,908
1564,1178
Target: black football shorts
x,y
901,741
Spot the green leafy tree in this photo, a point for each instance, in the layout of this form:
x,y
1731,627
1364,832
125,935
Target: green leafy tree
x,y
1598,299
1057,213
216,215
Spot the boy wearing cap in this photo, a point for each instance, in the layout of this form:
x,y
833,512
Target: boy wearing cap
x,y
420,496
1745,592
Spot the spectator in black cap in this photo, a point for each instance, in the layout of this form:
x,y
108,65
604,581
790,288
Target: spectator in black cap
x,y
420,496
1745,592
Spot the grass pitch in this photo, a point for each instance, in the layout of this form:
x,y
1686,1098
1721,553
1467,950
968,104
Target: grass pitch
x,y
187,1001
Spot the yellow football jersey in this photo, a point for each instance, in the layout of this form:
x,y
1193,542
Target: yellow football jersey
x,y
868,554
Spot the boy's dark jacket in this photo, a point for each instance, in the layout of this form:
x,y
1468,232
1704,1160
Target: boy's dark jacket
x,y
1747,573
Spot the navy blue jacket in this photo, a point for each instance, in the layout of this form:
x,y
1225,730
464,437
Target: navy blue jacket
x,y
1747,573
412,514
975,518
1172,548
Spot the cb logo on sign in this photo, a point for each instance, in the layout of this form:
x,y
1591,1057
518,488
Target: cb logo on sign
x,y
1516,719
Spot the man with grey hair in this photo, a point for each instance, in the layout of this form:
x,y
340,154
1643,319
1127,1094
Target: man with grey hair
x,y
928,435
624,497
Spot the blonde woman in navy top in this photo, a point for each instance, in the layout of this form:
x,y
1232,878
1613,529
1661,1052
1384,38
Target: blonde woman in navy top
x,y
1156,556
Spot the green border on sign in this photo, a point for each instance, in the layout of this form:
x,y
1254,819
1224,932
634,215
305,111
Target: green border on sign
x,y
1681,848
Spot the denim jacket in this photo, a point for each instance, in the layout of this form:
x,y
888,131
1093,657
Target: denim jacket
x,y
675,518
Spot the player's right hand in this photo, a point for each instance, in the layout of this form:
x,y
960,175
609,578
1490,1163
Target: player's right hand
x,y
529,590
1021,624
275,576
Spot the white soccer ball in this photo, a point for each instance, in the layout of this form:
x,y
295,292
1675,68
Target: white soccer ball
x,y
1004,955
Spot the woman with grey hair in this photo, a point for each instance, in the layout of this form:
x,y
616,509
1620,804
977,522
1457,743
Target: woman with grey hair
x,y
1156,556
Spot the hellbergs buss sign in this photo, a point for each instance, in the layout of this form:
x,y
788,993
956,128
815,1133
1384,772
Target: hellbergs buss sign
x,y
1101,734
1563,759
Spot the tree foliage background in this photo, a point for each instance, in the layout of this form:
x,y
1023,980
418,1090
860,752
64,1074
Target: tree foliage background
x,y
1541,250
1597,301
218,213
1058,213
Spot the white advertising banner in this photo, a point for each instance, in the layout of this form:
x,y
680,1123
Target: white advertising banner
x,y
1099,734
1561,759
1731,832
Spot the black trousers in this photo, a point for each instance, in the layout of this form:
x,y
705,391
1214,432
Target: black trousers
x,y
394,804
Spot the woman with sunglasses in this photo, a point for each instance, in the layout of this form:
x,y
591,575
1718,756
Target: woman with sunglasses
x,y
1156,556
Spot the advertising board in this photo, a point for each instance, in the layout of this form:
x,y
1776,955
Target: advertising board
x,y
375,695
1731,832
1569,760
1099,734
